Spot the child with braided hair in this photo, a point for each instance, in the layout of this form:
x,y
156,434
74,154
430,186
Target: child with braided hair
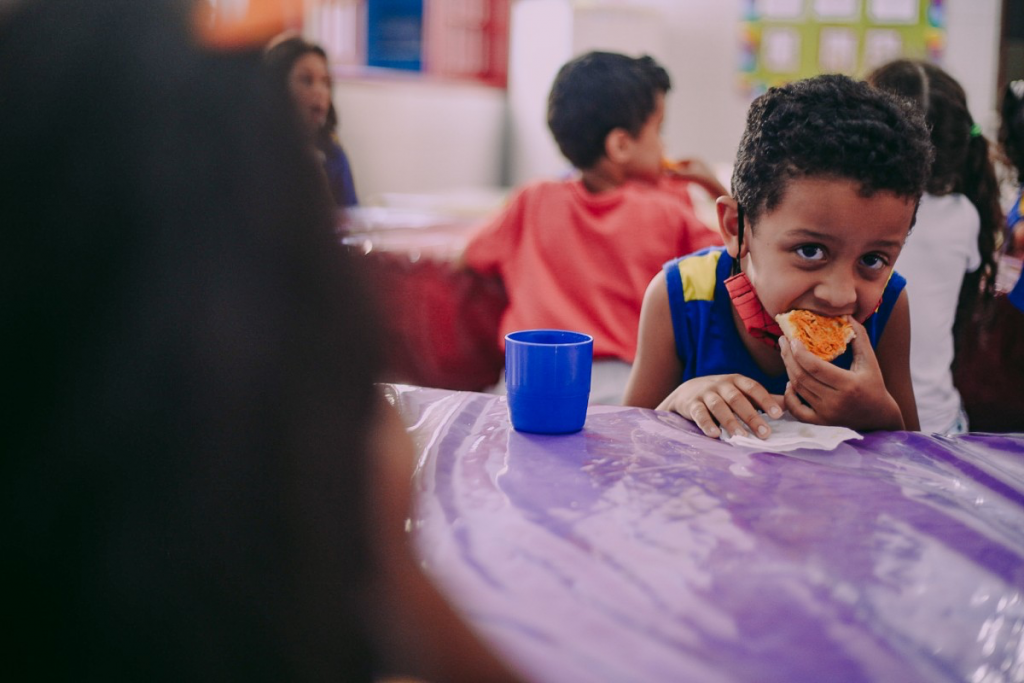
x,y
950,256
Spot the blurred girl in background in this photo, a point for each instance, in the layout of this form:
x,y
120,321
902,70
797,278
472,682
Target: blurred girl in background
x,y
302,68
949,259
990,360
1011,139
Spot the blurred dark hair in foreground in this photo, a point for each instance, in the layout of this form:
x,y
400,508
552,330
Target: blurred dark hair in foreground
x,y
189,381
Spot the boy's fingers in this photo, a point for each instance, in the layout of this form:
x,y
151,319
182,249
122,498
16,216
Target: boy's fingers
x,y
794,355
760,397
801,380
745,410
797,408
861,344
759,426
812,375
702,418
722,412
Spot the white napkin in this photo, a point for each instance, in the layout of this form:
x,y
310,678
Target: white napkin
x,y
789,434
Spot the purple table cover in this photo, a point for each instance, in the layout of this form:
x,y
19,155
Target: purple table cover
x,y
641,550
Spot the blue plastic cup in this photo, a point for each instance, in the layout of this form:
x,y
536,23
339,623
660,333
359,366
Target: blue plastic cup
x,y
547,374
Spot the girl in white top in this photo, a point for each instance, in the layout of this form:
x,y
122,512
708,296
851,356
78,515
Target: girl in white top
x,y
949,259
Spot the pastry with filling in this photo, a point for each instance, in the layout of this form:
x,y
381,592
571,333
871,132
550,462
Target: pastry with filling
x,y
825,337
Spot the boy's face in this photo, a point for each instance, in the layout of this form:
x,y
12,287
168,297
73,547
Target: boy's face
x,y
647,150
827,249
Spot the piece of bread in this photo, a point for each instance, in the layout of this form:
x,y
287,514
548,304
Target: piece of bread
x,y
825,337
669,165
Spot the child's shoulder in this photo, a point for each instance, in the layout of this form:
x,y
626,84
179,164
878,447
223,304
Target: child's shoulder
x,y
547,190
697,274
700,260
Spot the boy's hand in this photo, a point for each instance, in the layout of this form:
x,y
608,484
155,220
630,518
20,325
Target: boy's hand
x,y
855,398
731,401
696,171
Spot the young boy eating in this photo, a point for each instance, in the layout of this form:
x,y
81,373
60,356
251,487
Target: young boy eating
x,y
825,188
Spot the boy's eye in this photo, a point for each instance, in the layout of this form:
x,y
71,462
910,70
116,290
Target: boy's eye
x,y
874,261
810,252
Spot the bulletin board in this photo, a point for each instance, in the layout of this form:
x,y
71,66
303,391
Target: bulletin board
x,y
785,40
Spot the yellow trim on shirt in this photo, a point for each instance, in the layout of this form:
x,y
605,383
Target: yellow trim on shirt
x,y
698,276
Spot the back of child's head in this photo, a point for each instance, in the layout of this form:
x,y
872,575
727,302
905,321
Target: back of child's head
x,y
829,127
962,161
1011,128
598,92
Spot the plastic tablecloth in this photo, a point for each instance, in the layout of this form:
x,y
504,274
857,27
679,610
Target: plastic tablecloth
x,y
641,550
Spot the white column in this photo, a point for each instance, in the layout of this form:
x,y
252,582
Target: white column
x,y
540,41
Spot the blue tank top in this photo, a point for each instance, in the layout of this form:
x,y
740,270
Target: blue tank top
x,y
1016,213
707,340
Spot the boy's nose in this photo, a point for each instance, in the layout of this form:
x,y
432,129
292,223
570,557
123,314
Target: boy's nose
x,y
838,291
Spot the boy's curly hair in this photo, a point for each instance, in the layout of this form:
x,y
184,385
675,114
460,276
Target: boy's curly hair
x,y
598,92
829,126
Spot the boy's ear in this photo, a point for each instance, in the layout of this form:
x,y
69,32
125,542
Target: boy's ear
x,y
729,225
618,145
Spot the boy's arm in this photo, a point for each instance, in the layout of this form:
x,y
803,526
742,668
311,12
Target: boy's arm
x,y
893,355
727,400
696,171
495,239
874,394
656,367
478,254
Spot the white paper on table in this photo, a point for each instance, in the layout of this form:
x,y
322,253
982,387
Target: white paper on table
x,y
789,434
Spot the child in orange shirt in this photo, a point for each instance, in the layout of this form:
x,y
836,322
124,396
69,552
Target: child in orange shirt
x,y
577,254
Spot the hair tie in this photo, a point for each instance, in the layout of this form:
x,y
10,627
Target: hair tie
x,y
975,130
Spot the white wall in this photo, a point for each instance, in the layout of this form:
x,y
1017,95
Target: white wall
x,y
405,136
706,111
540,42
972,55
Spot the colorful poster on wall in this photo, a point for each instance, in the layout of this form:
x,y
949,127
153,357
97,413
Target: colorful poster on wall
x,y
784,40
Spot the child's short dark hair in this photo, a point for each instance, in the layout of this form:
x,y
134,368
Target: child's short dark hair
x,y
829,126
598,92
